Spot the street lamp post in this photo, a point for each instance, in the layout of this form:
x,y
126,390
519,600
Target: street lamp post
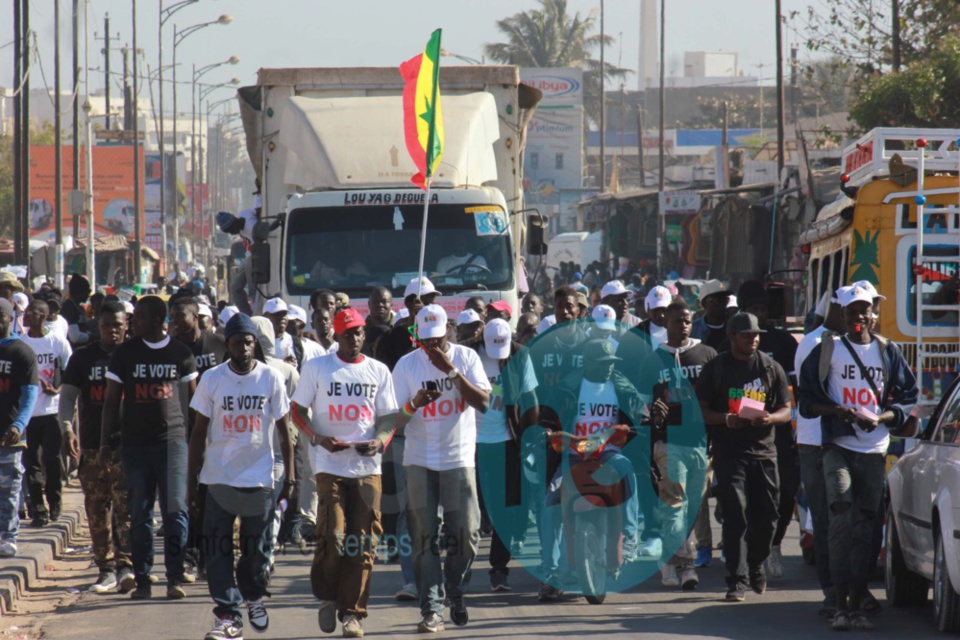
x,y
179,37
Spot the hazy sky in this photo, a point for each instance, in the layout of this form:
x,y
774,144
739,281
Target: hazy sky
x,y
282,33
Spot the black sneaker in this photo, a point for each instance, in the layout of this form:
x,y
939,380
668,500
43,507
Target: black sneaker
x,y
870,604
736,593
548,592
225,628
175,591
55,512
431,623
40,520
498,582
127,580
142,592
106,583
458,613
758,581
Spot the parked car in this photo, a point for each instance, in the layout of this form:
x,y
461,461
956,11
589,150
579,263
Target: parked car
x,y
923,518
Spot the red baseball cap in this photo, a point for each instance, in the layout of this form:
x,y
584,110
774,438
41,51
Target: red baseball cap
x,y
346,320
502,305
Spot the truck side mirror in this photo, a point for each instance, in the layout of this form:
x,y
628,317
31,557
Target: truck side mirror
x,y
260,262
535,244
776,295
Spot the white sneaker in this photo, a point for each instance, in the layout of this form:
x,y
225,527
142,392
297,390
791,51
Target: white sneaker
x,y
225,628
8,548
652,548
775,562
352,627
668,576
688,579
106,583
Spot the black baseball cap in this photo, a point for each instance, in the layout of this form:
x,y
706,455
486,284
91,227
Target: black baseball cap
x,y
743,323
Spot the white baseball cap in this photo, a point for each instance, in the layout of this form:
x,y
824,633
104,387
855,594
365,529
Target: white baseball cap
x,y
297,313
21,301
854,293
275,305
839,292
658,298
403,313
872,290
546,323
128,306
227,313
613,288
497,338
732,302
205,311
713,287
468,316
605,317
431,322
416,288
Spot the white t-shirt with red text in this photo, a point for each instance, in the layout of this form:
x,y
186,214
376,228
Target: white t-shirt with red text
x,y
442,435
53,351
597,408
346,399
848,387
243,409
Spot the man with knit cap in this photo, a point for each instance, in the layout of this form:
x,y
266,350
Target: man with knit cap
x,y
441,386
241,408
354,411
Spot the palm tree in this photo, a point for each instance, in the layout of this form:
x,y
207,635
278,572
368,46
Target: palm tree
x,y
551,37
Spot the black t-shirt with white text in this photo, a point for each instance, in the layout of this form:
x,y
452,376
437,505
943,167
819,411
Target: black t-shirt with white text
x,y
87,370
672,378
209,351
18,368
723,382
151,377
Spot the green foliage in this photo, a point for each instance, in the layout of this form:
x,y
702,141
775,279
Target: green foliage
x,y
866,257
551,37
926,94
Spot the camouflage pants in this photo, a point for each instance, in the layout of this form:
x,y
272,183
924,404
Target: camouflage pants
x,y
105,499
11,476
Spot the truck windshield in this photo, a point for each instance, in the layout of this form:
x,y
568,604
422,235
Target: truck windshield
x,y
352,249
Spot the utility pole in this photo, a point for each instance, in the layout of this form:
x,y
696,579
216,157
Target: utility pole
x,y
661,218
106,70
25,135
58,146
794,84
136,156
895,31
725,148
603,107
76,108
781,159
128,111
18,199
641,164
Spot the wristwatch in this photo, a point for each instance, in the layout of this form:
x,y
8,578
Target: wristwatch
x,y
453,373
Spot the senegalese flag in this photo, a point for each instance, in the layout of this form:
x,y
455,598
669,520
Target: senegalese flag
x,y
422,117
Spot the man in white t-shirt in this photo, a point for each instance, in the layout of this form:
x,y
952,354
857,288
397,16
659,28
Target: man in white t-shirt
x,y
240,406
811,459
53,351
513,406
869,390
441,441
353,413
275,310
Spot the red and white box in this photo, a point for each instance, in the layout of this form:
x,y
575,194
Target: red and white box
x,y
750,409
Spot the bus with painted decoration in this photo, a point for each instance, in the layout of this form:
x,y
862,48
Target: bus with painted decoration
x,y
328,147
897,225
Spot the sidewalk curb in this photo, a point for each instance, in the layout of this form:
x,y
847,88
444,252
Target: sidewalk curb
x,y
39,547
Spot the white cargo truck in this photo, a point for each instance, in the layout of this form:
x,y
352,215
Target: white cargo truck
x,y
328,147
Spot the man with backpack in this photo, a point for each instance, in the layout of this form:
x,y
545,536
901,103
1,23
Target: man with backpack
x,y
744,394
861,390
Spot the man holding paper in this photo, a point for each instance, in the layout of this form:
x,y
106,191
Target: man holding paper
x,y
744,394
861,388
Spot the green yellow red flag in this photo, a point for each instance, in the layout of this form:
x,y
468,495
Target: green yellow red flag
x,y
422,117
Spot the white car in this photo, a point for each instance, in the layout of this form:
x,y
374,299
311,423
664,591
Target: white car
x,y
923,518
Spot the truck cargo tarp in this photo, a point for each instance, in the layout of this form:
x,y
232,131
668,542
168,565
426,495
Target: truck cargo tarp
x,y
358,142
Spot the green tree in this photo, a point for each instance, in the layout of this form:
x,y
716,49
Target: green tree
x,y
925,94
551,37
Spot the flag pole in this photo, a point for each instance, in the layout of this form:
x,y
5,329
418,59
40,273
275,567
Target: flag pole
x,y
423,235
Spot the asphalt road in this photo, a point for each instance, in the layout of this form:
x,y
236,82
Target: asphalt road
x,y
788,610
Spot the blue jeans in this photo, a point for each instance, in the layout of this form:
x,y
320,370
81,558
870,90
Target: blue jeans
x,y
404,547
616,466
152,469
456,491
228,588
11,476
815,488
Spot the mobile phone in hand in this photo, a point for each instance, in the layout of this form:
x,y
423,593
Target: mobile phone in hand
x,y
432,386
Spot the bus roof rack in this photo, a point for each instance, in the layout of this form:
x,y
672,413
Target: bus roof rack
x,y
869,157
